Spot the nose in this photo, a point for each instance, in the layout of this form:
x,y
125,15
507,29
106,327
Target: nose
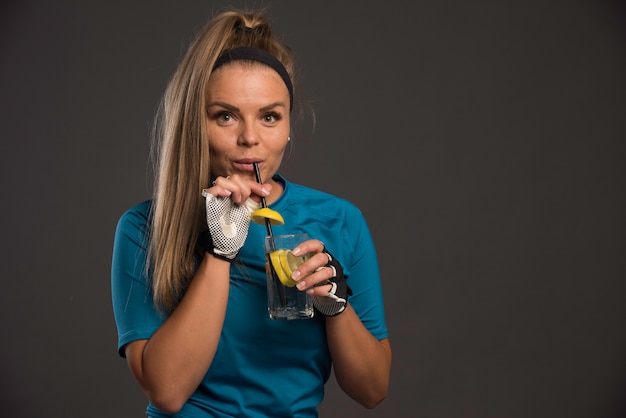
x,y
249,135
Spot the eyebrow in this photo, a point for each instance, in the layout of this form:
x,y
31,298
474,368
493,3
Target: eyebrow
x,y
236,109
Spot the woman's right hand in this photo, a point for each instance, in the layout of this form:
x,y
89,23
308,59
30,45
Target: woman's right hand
x,y
239,188
228,211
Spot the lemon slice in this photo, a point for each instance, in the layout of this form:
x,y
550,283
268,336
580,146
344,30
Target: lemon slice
x,y
284,274
289,262
260,215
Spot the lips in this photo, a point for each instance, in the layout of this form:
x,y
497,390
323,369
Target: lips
x,y
246,164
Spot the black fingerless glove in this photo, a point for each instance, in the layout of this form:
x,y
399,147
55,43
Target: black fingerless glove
x,y
337,299
205,243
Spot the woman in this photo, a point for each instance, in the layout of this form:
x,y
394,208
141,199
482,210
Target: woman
x,y
191,315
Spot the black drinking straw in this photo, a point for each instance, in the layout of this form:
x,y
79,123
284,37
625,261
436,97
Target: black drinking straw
x,y
263,204
268,226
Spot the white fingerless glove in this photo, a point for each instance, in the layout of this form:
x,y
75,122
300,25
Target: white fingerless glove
x,y
228,225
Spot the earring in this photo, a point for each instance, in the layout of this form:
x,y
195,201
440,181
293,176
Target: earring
x,y
288,138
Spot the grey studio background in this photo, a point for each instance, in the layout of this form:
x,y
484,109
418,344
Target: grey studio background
x,y
484,142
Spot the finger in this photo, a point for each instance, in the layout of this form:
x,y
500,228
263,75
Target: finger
x,y
309,247
321,289
216,191
310,279
260,190
310,267
218,187
234,186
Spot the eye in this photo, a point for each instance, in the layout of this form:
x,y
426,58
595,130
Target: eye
x,y
272,118
222,117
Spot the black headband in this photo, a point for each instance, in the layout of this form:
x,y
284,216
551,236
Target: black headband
x,y
260,55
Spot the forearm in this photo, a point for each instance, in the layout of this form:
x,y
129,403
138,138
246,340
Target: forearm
x,y
361,362
178,355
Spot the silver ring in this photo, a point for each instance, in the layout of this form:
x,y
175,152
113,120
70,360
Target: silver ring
x,y
214,182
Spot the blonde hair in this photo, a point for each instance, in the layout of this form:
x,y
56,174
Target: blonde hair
x,y
181,149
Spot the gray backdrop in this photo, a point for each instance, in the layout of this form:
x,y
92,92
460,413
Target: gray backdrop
x,y
484,142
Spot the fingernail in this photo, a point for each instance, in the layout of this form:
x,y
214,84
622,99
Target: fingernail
x,y
295,275
296,251
265,192
301,285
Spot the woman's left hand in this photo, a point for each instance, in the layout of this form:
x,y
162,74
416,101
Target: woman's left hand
x,y
322,277
311,274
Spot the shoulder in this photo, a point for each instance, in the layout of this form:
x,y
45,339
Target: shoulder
x,y
140,211
135,219
319,199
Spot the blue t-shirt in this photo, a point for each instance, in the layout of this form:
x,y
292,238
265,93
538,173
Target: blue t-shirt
x,y
262,367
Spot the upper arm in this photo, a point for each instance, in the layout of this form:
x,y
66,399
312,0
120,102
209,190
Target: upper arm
x,y
136,317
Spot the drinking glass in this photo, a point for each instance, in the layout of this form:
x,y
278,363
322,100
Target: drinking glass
x,y
284,300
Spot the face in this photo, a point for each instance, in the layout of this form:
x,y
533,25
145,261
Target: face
x,y
248,120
